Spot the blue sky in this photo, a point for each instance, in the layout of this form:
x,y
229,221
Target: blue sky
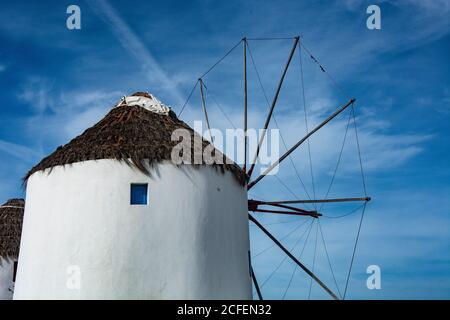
x,y
56,82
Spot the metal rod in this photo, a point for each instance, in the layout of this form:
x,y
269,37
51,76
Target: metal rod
x,y
290,255
319,200
274,101
331,117
255,282
245,105
204,109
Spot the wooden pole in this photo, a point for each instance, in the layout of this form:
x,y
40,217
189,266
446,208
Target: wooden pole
x,y
253,206
245,105
319,200
250,185
274,101
292,213
290,255
255,282
204,109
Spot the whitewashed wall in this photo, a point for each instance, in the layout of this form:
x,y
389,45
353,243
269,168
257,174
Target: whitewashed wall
x,y
190,242
6,277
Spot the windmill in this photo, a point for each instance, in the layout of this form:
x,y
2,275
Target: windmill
x,y
287,207
11,217
113,207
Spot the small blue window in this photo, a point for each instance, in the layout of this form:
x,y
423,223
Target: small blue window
x,y
139,192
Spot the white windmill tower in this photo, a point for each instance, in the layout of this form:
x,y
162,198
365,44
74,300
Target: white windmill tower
x,y
11,217
116,218
109,216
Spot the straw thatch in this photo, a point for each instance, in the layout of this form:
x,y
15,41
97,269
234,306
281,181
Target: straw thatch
x,y
11,217
129,133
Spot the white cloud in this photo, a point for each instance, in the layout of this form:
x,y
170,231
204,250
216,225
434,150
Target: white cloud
x,y
79,122
17,150
62,115
136,48
37,92
381,150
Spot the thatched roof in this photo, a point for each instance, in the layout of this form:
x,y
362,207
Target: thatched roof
x,y
129,133
11,217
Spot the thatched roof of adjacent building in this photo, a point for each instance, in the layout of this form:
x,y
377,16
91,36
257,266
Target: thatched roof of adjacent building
x,y
11,217
131,134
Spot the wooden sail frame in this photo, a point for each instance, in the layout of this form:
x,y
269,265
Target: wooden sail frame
x,y
254,205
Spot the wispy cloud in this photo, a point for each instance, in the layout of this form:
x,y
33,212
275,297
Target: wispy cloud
x,y
136,48
37,93
63,114
72,112
21,152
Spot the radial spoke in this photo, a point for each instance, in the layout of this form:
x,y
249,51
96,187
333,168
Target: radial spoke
x,y
274,101
245,105
255,282
320,200
204,109
276,163
290,255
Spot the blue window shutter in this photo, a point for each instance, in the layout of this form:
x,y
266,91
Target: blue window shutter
x,y
139,192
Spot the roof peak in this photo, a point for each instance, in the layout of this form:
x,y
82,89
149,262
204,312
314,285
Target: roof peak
x,y
134,135
145,100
